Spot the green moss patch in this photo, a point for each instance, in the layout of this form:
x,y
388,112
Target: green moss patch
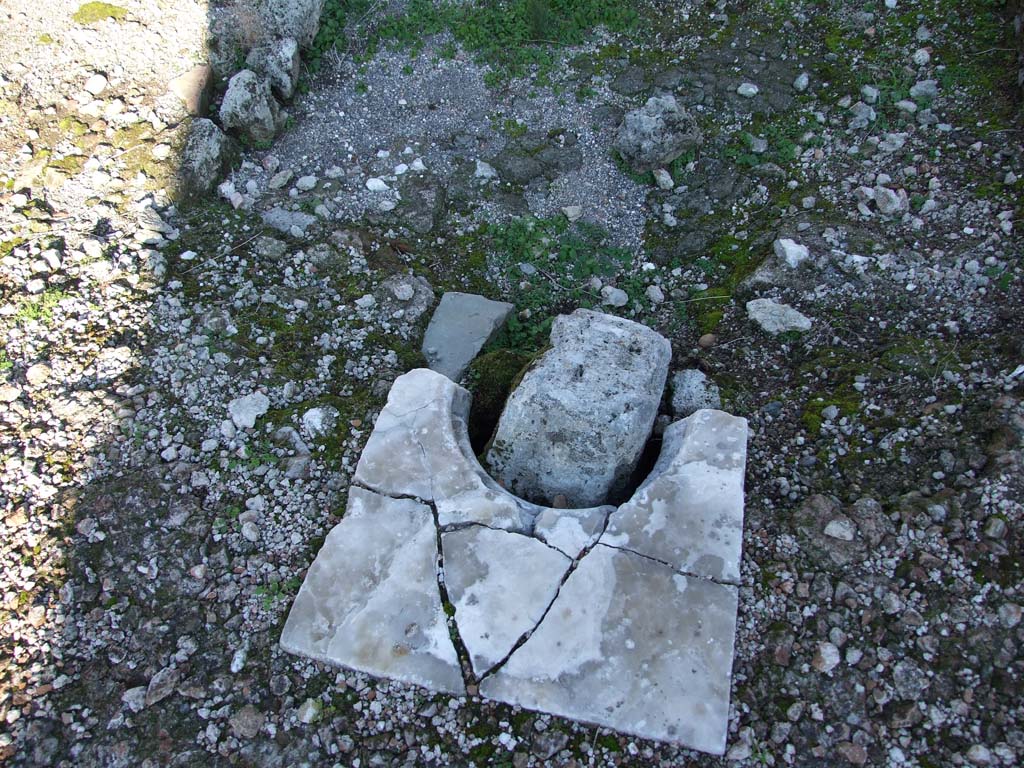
x,y
94,13
490,379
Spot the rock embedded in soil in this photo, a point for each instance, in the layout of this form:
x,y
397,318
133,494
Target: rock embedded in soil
x,y
246,409
656,134
579,419
461,326
299,19
207,155
249,107
277,61
693,390
791,252
775,318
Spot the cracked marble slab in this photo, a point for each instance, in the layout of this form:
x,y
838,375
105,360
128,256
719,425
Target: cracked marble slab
x,y
689,511
501,584
623,617
571,530
371,601
631,645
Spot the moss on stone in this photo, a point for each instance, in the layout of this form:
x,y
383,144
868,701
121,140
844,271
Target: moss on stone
x,y
95,12
491,377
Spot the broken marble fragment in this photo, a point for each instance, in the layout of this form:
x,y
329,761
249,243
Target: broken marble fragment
x,y
579,419
631,645
371,601
420,447
246,409
688,513
500,584
460,327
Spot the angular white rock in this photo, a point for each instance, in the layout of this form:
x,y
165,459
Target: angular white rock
x,y
371,601
791,252
689,511
485,170
891,202
245,410
578,421
500,584
775,318
630,645
319,421
614,297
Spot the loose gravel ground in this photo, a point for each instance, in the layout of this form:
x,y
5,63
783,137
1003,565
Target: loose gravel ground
x,y
154,537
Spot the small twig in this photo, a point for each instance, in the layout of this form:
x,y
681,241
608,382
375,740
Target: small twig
x,y
246,242
733,341
705,298
122,152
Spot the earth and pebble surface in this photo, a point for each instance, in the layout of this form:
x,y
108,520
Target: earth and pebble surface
x,y
187,380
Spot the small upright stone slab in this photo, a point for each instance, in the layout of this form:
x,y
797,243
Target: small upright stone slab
x,y
578,421
631,645
689,511
500,584
370,600
462,324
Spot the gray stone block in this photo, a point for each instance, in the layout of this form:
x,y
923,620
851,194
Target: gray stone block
x,y
460,327
579,419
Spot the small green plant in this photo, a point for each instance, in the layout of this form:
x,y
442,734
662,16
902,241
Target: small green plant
x,y
40,307
277,589
558,259
512,36
95,12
